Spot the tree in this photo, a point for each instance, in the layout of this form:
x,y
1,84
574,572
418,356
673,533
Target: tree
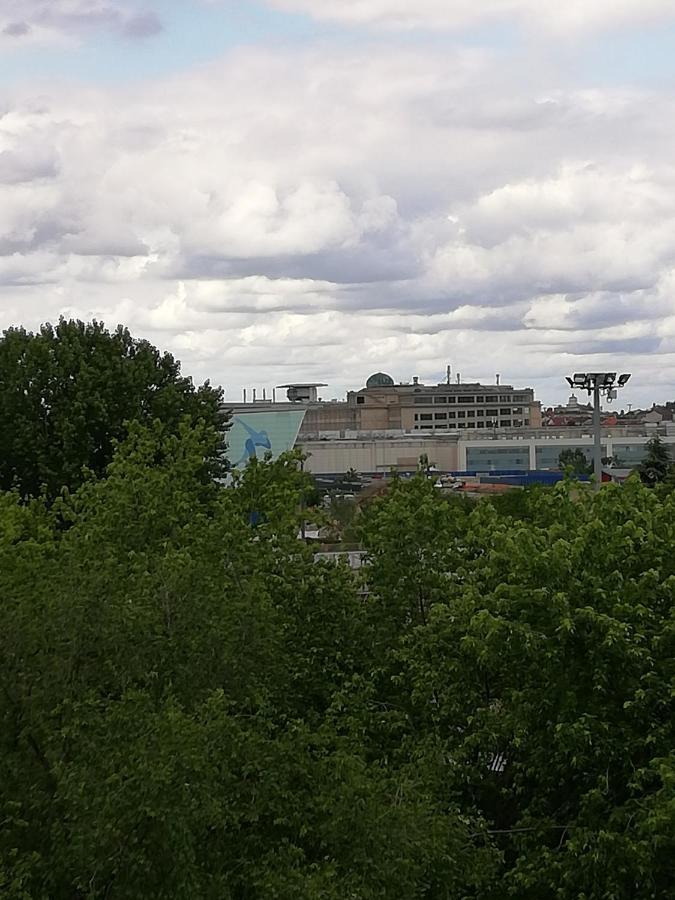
x,y
537,687
192,706
575,461
657,464
67,394
181,710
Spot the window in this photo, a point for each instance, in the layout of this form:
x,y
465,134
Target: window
x,y
441,426
461,414
440,415
504,398
440,399
452,399
471,413
491,412
480,424
505,412
451,415
424,401
466,400
481,399
483,459
417,418
426,427
361,400
517,410
505,423
426,417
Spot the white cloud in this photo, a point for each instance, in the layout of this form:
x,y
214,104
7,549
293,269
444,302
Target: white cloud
x,y
553,15
321,213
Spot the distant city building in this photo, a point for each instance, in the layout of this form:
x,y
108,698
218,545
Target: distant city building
x,y
385,405
461,427
573,413
507,451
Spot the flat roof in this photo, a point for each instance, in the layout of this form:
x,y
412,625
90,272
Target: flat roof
x,y
302,384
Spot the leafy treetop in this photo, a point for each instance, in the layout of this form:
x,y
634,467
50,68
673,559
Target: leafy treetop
x,y
67,393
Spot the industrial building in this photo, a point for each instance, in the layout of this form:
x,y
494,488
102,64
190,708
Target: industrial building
x,y
473,452
458,427
408,407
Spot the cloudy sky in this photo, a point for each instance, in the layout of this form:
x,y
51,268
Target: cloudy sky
x,y
320,189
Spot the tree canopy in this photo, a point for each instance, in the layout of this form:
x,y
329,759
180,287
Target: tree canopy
x,y
67,393
192,706
575,461
657,464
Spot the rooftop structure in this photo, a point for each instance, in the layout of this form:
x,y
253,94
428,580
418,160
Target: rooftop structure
x,y
379,379
302,393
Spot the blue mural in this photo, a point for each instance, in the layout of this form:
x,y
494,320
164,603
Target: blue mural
x,y
255,439
253,434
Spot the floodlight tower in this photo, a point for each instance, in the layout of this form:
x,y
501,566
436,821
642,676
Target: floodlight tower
x,y
598,383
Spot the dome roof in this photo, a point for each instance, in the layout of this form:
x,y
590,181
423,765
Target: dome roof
x,y
379,379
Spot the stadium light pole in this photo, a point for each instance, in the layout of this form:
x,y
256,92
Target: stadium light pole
x,y
597,384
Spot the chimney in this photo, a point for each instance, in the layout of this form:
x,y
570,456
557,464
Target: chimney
x,y
415,379
449,372
244,395
274,395
264,394
498,377
254,395
459,378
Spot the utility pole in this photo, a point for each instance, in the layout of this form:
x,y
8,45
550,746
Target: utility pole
x,y
597,384
597,437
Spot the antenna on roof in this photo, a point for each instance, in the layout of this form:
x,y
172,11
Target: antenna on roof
x,y
449,374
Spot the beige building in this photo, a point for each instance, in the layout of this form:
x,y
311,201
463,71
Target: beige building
x,y
386,406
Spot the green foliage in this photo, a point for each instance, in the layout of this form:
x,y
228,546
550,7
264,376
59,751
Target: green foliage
x,y
541,673
174,715
67,393
191,706
574,461
657,464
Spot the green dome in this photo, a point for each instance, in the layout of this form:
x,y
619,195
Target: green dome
x,y
379,379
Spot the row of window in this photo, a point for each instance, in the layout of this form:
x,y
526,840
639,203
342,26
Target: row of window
x,y
440,426
493,414
430,399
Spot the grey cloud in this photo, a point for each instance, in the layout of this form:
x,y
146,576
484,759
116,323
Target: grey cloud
x,y
47,18
32,164
16,29
143,25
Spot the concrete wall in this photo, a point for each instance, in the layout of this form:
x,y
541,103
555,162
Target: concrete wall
x,y
378,455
